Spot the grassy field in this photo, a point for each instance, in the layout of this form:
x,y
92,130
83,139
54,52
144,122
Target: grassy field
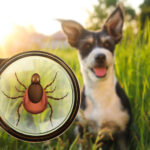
x,y
133,72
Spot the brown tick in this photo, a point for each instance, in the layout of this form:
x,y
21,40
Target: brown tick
x,y
35,98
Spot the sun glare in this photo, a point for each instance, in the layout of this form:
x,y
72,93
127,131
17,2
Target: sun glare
x,y
4,32
41,14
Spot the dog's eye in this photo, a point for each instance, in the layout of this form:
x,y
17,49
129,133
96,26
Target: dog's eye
x,y
107,44
87,46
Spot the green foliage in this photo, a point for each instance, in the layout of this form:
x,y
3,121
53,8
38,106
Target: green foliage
x,y
133,72
110,2
145,12
130,11
102,10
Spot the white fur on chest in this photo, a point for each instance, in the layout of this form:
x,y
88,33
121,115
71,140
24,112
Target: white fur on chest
x,y
104,105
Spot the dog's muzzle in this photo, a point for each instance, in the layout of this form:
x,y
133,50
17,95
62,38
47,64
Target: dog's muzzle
x,y
100,67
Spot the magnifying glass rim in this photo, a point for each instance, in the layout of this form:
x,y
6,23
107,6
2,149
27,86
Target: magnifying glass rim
x,y
75,108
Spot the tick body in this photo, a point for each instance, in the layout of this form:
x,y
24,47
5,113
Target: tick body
x,y
35,98
37,107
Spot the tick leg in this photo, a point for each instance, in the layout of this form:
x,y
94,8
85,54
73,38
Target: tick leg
x,y
19,90
51,91
55,98
13,97
18,113
51,82
19,81
50,117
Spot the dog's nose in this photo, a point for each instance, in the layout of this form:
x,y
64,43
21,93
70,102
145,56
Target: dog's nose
x,y
100,58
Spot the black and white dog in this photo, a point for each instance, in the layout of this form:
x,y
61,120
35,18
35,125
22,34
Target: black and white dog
x,y
103,100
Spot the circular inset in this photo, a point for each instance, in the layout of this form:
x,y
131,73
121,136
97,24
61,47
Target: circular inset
x,y
39,95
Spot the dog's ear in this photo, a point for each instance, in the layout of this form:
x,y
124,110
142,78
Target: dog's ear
x,y
73,31
114,24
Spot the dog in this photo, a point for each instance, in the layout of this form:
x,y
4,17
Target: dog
x,y
102,99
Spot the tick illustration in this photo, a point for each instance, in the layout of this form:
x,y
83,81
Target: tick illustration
x,y
35,98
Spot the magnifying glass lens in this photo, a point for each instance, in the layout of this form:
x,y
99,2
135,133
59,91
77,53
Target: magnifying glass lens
x,y
39,96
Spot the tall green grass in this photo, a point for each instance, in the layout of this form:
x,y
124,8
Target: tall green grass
x,y
133,72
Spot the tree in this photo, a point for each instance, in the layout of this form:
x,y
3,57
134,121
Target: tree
x,y
145,12
101,12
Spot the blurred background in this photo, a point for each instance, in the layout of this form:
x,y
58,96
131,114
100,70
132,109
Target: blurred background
x,y
31,25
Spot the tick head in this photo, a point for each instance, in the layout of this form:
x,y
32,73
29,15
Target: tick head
x,y
35,79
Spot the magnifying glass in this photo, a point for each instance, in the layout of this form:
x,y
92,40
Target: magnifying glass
x,y
39,96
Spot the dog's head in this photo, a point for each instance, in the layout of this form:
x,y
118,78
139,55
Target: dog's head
x,y
96,49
